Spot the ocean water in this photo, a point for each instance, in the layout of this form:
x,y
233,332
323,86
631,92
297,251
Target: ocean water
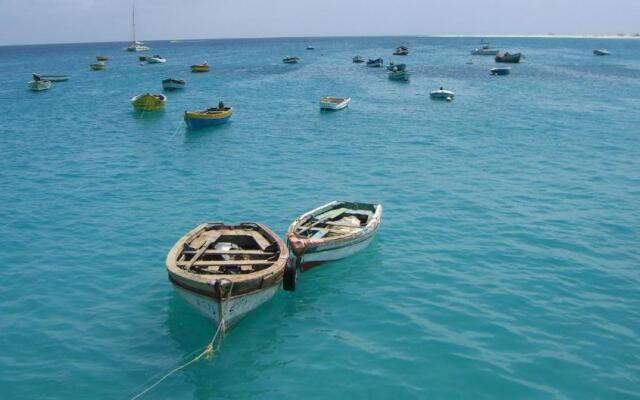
x,y
507,264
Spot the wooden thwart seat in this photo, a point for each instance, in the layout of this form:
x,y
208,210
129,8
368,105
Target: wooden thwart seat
x,y
223,262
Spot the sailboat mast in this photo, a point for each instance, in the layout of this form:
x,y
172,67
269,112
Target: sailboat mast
x,y
133,23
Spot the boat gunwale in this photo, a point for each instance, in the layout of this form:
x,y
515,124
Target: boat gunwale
x,y
175,272
369,229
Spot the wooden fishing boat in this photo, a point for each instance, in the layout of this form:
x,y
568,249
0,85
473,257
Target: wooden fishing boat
x,y
99,66
334,103
157,59
358,59
102,58
148,102
173,84
601,52
508,57
442,94
211,116
204,67
331,232
377,63
290,60
400,75
500,71
226,271
401,51
38,85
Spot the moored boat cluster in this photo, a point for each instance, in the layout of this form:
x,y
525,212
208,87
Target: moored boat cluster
x,y
225,271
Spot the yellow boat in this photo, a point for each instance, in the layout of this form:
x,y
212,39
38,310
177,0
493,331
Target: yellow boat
x,y
204,67
149,102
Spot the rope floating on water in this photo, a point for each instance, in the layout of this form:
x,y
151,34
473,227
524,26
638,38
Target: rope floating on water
x,y
206,353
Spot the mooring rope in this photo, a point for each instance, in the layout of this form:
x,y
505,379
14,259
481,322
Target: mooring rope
x,y
206,353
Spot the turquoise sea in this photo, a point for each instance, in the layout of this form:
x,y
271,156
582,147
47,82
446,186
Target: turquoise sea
x,y
507,264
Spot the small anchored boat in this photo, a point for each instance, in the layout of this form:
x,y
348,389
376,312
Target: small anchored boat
x,y
204,67
401,51
310,47
377,63
358,59
601,52
99,66
508,57
397,67
484,50
38,84
290,60
500,71
226,271
399,75
331,232
334,103
52,78
102,58
148,102
173,84
157,59
442,94
211,116
142,58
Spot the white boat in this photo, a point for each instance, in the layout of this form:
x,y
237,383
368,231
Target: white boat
x,y
601,52
442,94
52,78
500,71
156,59
331,232
135,45
38,85
226,271
310,47
484,50
334,103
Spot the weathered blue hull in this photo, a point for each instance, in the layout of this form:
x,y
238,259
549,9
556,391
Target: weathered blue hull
x,y
195,123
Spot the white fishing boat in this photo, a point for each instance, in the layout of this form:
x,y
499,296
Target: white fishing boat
x,y
38,84
334,103
53,78
135,45
442,94
484,50
157,59
336,230
226,271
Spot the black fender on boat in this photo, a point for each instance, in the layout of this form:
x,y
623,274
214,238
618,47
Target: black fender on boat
x,y
290,276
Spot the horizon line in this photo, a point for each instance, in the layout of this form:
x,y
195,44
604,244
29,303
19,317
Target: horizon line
x,y
534,35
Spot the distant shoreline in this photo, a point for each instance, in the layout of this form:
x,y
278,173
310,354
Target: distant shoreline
x,y
514,36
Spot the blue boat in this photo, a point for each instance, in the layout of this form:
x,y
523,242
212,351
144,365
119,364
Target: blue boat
x,y
211,116
377,63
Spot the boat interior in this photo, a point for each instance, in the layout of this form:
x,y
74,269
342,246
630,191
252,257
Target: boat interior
x,y
341,220
223,249
336,100
215,110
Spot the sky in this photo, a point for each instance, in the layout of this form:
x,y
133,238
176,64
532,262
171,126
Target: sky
x,y
71,21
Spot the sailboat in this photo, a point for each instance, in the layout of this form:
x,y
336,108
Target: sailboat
x,y
135,45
